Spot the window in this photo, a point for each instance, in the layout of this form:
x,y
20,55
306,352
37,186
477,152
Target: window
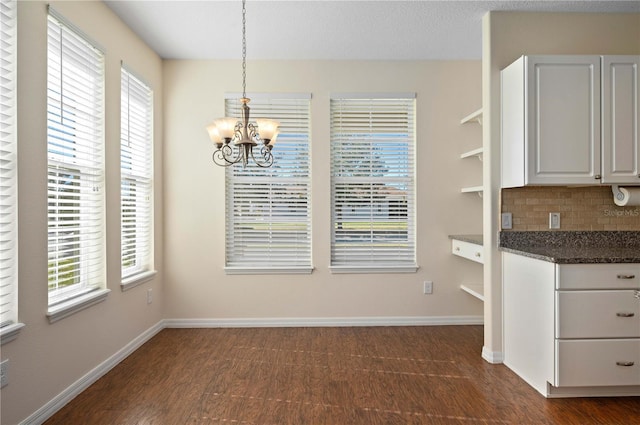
x,y
75,146
372,183
268,228
8,175
136,170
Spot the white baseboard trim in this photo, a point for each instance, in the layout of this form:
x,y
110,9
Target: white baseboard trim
x,y
493,357
566,392
59,401
323,322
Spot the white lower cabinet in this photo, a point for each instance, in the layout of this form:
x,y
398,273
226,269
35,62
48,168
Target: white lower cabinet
x,y
572,329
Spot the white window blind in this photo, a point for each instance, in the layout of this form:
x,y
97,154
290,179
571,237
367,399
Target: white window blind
x,y
8,167
268,227
75,144
136,168
373,183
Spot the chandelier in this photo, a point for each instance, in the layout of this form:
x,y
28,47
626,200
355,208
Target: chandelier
x,y
235,140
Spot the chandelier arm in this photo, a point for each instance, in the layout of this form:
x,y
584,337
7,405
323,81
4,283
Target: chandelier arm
x,y
219,159
224,156
227,154
267,158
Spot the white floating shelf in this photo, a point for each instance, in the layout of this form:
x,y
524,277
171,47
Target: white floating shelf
x,y
473,189
473,117
475,289
476,152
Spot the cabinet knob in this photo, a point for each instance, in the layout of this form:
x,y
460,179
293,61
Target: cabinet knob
x,y
624,314
626,276
478,254
626,364
457,248
597,176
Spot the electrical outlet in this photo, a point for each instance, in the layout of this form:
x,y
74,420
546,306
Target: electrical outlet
x,y
507,220
554,220
428,287
4,373
149,296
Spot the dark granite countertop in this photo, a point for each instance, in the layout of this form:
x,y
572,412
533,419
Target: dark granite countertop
x,y
475,239
578,247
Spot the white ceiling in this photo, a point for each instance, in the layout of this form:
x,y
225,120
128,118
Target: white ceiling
x,y
327,29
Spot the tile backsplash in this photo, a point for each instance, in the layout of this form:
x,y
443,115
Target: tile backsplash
x,y
580,208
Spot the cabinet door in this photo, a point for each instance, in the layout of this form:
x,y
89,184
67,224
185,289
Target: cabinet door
x,y
598,276
620,116
563,113
528,318
597,362
597,314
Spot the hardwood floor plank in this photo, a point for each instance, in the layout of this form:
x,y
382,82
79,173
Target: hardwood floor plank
x,y
342,376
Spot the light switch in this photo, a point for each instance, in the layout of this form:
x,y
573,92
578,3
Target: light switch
x,y
554,220
507,220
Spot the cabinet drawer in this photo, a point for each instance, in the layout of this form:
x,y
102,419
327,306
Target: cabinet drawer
x,y
468,250
597,362
598,276
597,314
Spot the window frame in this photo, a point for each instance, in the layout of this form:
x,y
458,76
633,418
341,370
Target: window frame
x,y
364,134
9,320
136,166
75,168
293,110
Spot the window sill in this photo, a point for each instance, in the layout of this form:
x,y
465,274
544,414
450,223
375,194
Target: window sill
x,y
271,270
137,279
372,269
10,332
76,304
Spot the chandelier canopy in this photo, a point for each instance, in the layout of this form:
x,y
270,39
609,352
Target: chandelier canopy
x,y
235,139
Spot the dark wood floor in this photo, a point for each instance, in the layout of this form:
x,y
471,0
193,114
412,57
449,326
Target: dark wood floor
x,y
342,376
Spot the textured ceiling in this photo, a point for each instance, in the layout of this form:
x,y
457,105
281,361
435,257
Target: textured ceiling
x,y
327,29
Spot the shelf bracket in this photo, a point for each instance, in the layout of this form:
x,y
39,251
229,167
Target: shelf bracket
x,y
473,117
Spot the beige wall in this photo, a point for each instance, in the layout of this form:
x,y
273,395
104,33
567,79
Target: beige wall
x,y
196,284
507,36
47,358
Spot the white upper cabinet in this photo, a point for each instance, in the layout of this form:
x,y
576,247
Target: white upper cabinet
x,y
570,120
620,117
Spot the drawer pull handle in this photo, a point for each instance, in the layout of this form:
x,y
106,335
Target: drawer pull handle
x,y
626,276
457,248
625,314
626,364
478,254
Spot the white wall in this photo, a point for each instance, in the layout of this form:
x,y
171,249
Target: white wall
x,y
196,284
47,358
507,36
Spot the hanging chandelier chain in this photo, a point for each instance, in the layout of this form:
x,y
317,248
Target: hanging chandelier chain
x,y
244,50
243,133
